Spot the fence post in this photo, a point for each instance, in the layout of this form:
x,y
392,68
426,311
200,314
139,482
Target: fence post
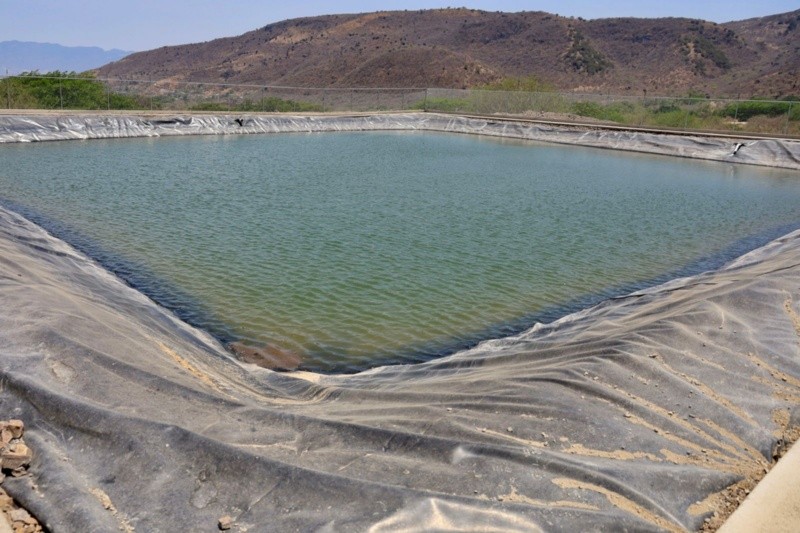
x,y
60,94
8,89
643,116
425,101
788,117
108,96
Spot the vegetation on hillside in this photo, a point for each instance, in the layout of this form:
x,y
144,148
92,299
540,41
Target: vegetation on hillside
x,y
583,57
698,48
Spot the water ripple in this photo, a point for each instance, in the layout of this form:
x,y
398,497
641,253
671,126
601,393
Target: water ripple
x,y
439,242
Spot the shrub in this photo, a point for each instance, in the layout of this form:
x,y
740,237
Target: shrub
x,y
584,57
674,118
613,112
68,90
666,107
447,105
749,109
709,50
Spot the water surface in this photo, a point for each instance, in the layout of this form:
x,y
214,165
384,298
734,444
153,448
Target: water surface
x,y
354,249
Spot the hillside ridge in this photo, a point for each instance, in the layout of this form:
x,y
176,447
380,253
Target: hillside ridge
x,y
461,48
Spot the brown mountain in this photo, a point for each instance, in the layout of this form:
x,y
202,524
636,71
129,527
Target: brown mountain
x,y
467,48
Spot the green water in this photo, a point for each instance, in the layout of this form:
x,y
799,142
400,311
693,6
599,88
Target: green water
x,y
358,248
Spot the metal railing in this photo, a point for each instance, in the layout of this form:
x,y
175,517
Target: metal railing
x,y
776,117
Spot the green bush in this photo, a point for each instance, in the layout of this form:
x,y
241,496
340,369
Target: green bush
x,y
67,90
666,107
674,118
613,112
747,110
583,57
710,51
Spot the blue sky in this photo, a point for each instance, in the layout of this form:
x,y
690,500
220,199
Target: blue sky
x,y
146,24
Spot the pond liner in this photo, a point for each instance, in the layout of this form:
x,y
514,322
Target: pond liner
x,y
632,414
780,153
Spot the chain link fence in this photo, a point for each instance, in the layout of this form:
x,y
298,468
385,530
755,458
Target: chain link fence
x,y
86,93
195,96
781,117
777,117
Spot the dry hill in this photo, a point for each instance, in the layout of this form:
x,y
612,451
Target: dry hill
x,y
466,48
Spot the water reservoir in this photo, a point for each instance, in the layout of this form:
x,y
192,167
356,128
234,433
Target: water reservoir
x,y
357,249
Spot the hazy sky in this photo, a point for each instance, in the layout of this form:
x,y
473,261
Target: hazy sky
x,y
146,24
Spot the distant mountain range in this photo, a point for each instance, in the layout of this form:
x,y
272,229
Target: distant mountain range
x,y
467,48
20,56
